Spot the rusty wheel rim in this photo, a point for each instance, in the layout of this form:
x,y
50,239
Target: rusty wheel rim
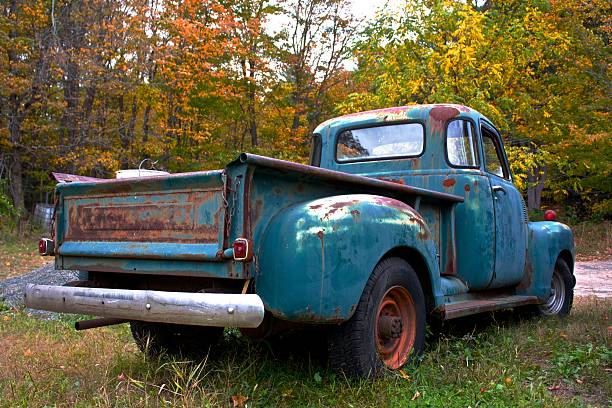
x,y
395,327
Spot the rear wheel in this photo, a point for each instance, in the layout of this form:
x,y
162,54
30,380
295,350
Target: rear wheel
x,y
157,338
388,326
561,292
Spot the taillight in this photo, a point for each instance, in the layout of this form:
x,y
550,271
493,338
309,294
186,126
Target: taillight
x,y
242,249
46,246
550,215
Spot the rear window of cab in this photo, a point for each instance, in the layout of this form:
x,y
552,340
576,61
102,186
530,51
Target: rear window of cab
x,y
380,142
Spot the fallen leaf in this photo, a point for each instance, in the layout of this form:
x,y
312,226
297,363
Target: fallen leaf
x,y
415,396
508,380
239,400
6,318
404,375
579,381
27,353
554,388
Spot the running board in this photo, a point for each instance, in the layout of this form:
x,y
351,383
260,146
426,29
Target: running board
x,y
473,306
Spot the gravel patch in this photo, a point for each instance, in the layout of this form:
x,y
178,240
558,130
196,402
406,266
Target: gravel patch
x,y
593,279
11,290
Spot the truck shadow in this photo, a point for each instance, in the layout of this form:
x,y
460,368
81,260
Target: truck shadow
x,y
307,346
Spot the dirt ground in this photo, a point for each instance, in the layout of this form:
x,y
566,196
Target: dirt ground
x,y
593,279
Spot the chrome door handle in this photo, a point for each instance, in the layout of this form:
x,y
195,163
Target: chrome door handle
x,y
498,188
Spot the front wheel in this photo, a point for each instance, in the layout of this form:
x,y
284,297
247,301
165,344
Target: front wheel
x,y
388,326
561,292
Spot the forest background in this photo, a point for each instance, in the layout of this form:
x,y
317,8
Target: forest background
x,y
93,86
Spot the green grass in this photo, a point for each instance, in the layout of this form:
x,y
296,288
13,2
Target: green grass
x,y
495,360
19,252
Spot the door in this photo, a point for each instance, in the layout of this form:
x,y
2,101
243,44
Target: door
x,y
510,220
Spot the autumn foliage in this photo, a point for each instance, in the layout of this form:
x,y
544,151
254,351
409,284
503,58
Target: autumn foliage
x,y
92,86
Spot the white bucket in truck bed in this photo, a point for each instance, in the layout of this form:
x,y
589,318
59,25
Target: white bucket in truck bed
x,y
134,173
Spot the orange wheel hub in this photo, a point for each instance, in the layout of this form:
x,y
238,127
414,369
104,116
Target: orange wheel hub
x,y
395,327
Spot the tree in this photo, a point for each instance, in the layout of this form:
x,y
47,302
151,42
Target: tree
x,y
315,46
24,75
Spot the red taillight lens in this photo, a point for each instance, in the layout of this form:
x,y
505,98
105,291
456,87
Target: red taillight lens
x,y
550,215
46,246
241,249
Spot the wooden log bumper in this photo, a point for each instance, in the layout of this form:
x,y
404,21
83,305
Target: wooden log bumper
x,y
200,309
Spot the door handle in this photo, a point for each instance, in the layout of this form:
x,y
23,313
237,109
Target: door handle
x,y
498,189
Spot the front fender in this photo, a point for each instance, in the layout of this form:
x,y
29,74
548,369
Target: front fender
x,y
316,256
547,240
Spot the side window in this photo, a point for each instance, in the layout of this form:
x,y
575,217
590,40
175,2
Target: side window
x,y
315,150
461,144
396,140
493,155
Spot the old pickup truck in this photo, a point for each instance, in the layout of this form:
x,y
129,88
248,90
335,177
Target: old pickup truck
x,y
404,215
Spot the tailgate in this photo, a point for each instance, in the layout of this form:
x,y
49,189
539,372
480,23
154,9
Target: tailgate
x,y
177,217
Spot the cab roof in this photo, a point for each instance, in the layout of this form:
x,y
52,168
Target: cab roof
x,y
438,112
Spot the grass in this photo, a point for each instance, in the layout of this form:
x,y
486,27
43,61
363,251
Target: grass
x,y
496,360
593,240
19,253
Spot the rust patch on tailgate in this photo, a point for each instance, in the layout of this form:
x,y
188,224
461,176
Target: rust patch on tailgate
x,y
182,217
137,217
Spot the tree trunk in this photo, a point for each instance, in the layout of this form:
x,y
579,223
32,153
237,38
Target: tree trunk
x,y
15,166
16,181
251,106
145,124
535,185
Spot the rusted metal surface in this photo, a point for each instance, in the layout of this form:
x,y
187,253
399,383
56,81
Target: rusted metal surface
x,y
94,323
495,302
71,178
182,217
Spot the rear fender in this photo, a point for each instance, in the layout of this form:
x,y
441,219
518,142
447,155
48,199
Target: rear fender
x,y
547,241
316,256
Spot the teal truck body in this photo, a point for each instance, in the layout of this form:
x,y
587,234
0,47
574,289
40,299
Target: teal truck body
x,y
418,195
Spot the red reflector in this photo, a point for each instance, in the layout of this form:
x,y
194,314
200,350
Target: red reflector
x,y
241,249
550,215
46,246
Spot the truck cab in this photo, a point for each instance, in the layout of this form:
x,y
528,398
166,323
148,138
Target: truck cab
x,y
404,215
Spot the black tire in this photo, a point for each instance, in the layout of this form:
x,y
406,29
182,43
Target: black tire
x,y
355,346
562,292
159,338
